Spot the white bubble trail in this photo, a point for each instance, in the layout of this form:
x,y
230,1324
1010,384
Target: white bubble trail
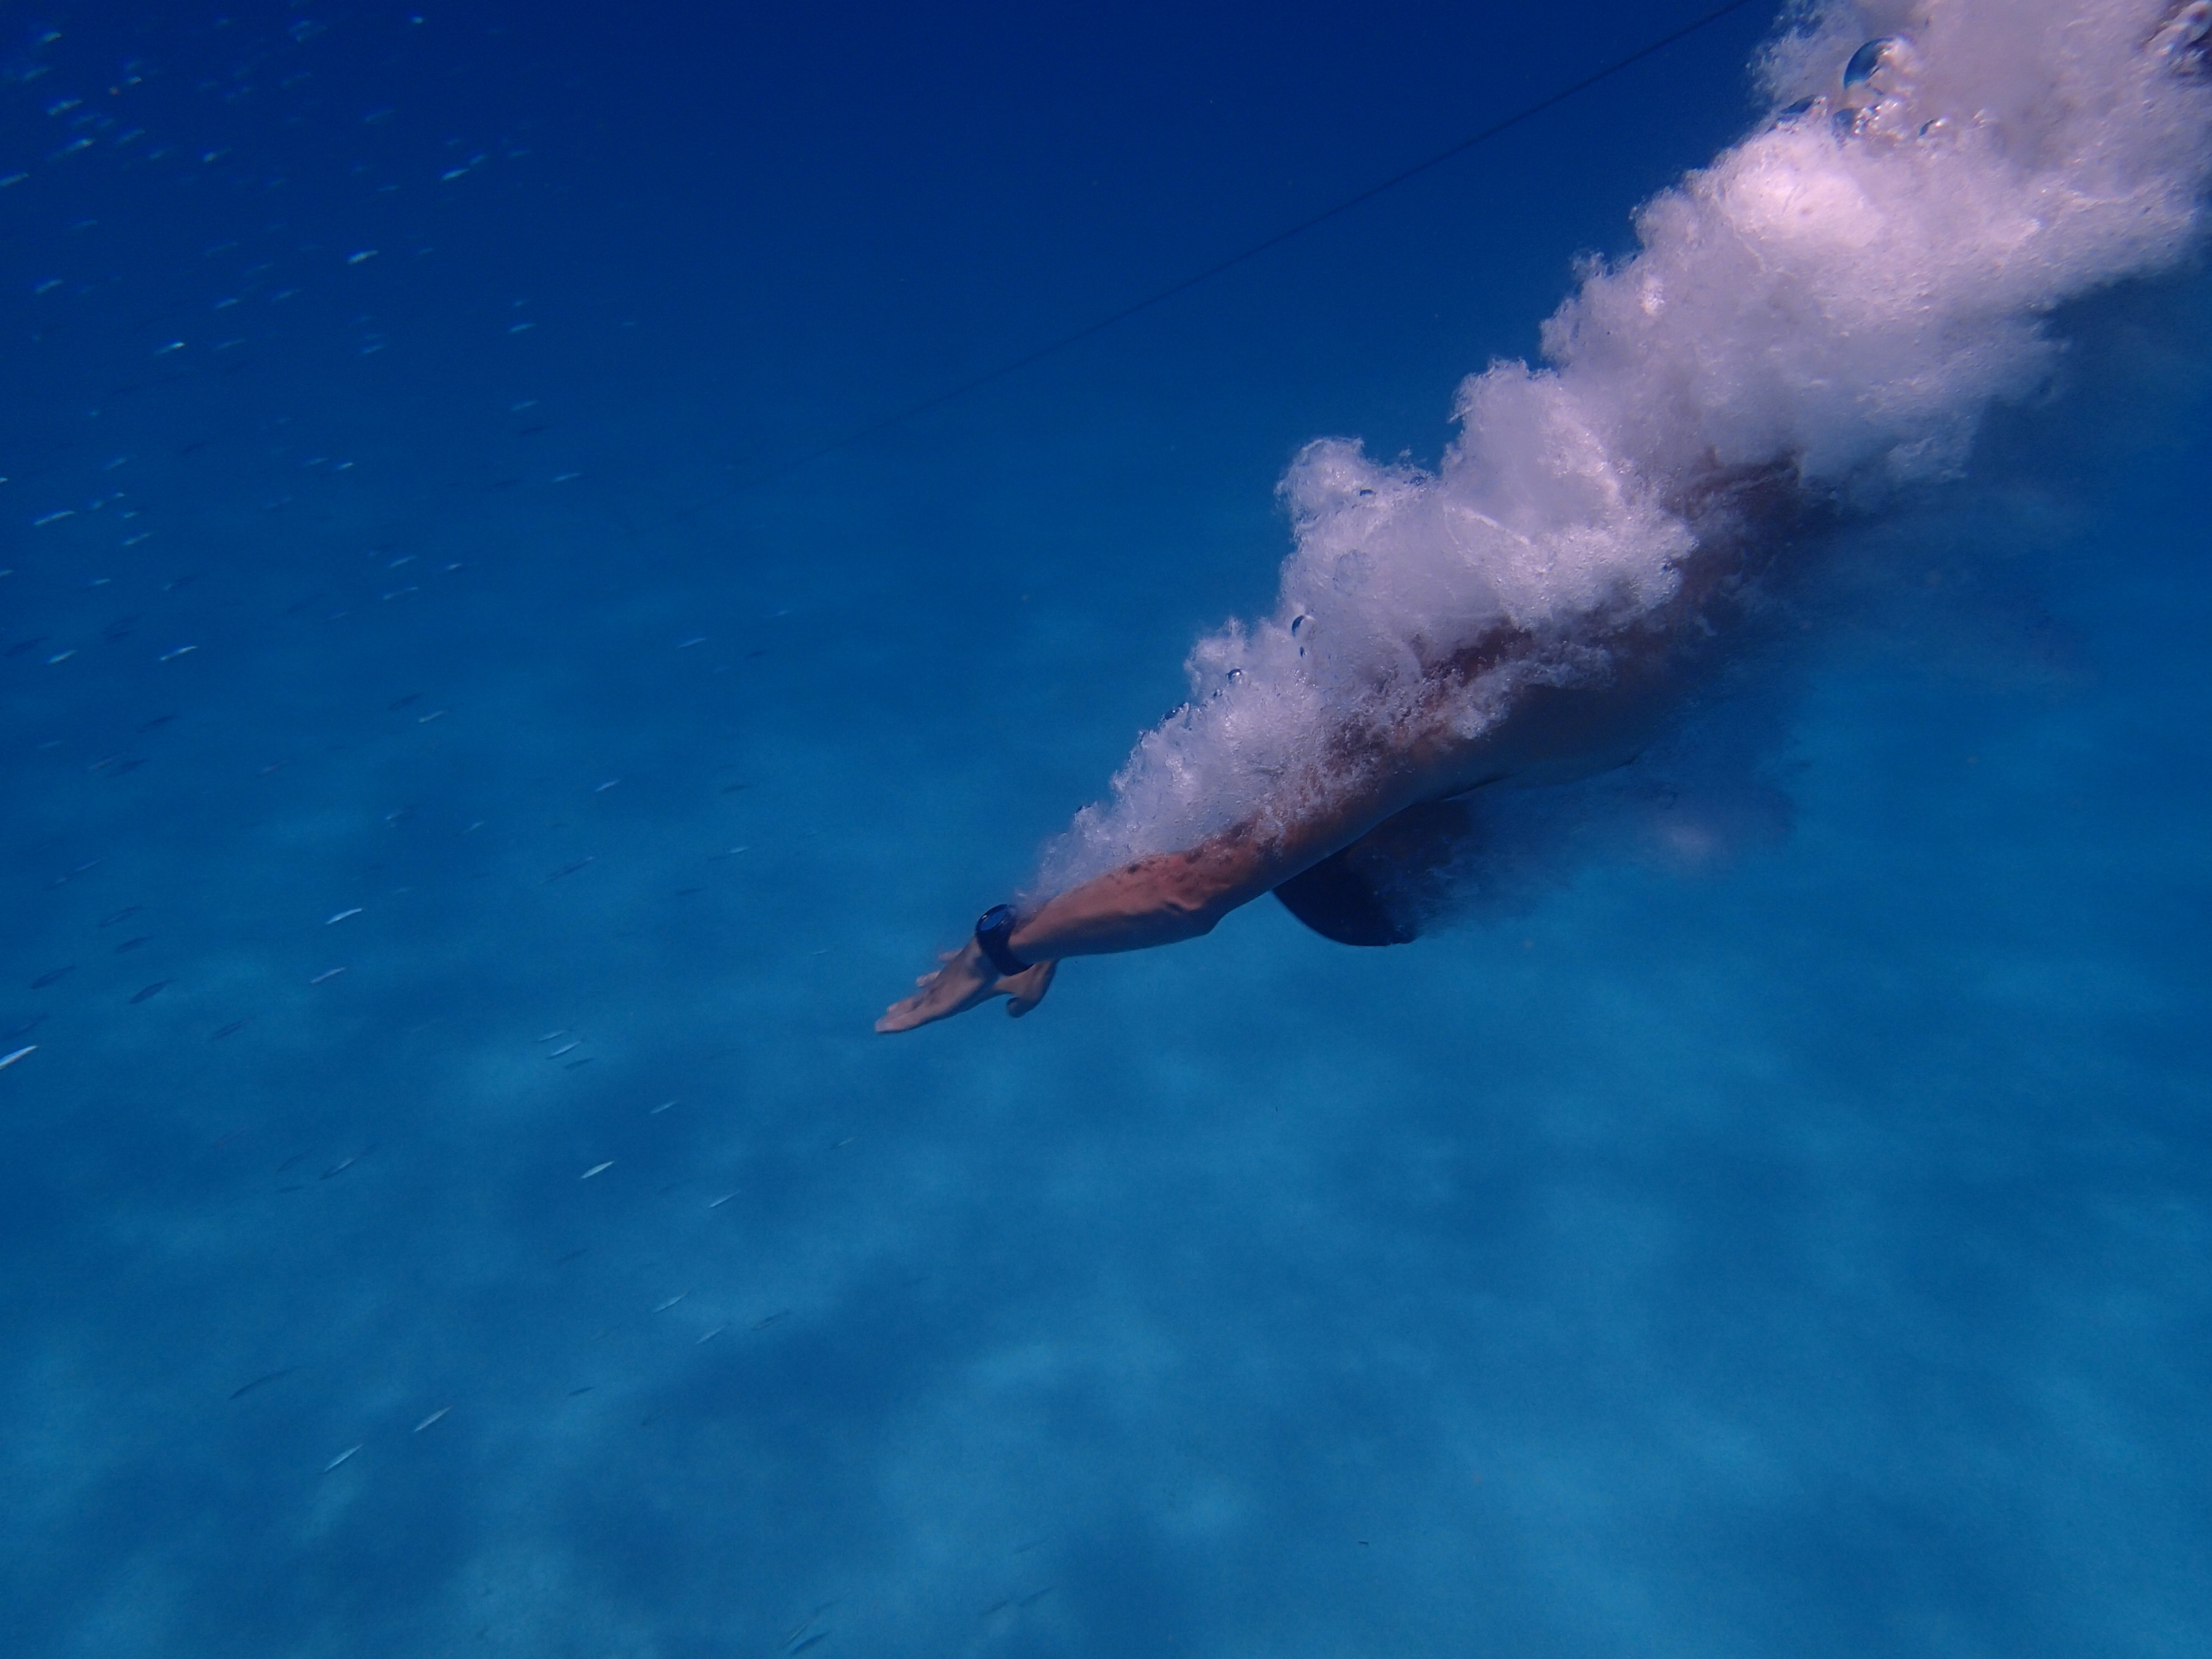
x,y
1841,296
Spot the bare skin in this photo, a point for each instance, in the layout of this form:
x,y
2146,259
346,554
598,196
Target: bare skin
x,y
1374,773
1172,897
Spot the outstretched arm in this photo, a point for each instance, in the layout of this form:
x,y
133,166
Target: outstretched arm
x,y
1155,901
1161,899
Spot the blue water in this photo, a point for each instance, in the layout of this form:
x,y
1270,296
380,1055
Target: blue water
x,y
1802,1255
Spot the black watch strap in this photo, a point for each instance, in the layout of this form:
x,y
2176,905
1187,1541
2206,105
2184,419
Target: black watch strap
x,y
994,929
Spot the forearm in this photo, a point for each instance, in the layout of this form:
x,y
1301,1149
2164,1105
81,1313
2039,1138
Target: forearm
x,y
1167,897
1157,899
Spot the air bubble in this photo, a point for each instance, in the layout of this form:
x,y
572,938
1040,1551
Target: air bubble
x,y
1865,61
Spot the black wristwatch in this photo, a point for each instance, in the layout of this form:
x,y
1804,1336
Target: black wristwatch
x,y
994,929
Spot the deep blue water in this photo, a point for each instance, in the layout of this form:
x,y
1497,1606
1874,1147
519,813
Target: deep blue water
x,y
1807,1255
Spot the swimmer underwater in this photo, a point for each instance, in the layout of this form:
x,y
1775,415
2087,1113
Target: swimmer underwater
x,y
1815,320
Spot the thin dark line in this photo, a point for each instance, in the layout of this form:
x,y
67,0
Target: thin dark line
x,y
1014,366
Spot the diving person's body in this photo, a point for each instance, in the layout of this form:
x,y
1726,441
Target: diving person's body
x,y
1819,317
1384,792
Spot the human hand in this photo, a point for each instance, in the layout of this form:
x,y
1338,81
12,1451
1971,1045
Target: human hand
x,y
965,980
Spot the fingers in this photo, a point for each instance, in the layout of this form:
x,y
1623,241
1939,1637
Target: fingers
x,y
1025,990
950,990
939,996
919,1009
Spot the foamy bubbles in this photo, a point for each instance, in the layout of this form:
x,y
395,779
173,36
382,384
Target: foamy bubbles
x,y
1843,295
